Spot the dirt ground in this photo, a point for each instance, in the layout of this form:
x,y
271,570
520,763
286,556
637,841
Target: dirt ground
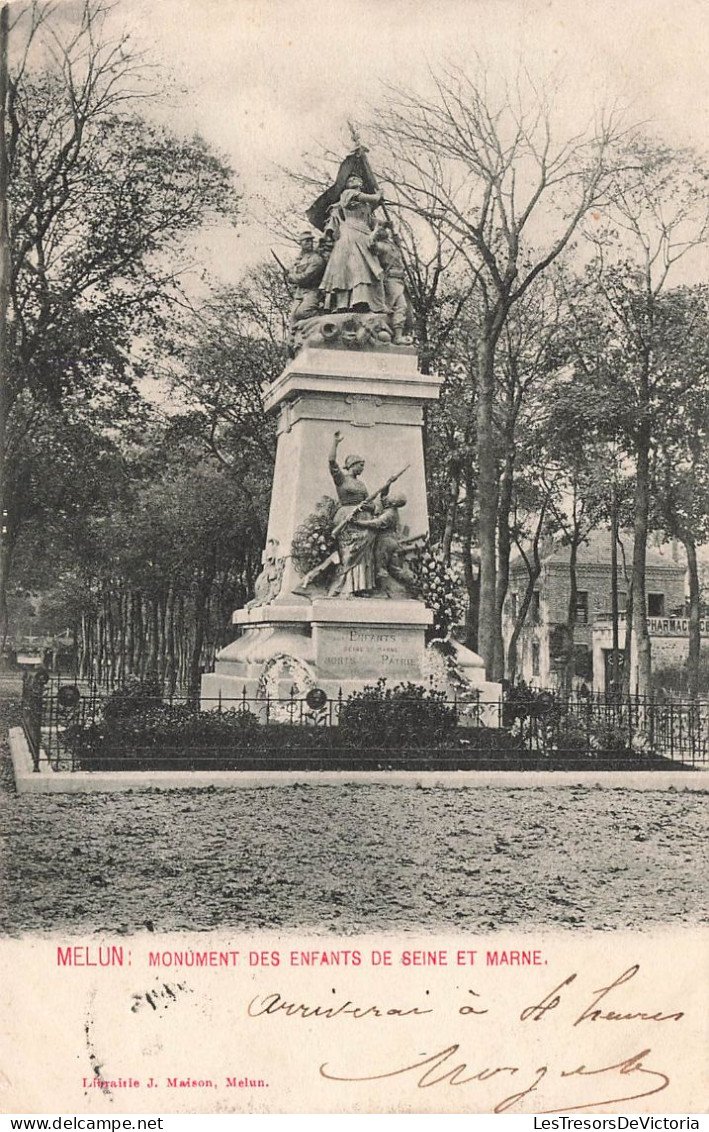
x,y
350,859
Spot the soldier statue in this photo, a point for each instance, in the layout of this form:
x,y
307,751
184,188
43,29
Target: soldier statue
x,y
304,276
389,255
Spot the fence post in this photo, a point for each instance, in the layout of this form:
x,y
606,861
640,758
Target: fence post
x,y
50,721
679,737
672,730
32,693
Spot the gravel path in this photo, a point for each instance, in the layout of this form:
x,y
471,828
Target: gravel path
x,y
351,859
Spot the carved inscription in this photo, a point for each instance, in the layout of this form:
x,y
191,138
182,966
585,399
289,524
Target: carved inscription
x,y
354,651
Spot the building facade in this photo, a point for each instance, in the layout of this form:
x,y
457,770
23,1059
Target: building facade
x,y
541,641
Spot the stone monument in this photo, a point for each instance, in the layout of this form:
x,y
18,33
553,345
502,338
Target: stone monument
x,y
336,605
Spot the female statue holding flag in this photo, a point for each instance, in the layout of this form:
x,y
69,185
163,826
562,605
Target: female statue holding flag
x,y
353,278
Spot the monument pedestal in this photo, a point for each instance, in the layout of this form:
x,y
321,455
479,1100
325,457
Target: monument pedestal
x,y
292,640
333,644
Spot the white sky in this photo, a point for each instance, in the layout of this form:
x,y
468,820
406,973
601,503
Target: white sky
x,y
268,80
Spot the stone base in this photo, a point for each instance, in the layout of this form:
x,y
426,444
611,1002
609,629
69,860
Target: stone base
x,y
471,668
340,646
331,644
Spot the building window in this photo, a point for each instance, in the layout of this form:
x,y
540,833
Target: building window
x,y
535,607
656,605
583,662
582,607
557,642
535,658
622,601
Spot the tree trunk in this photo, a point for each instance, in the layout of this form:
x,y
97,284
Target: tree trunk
x,y
139,636
110,636
451,510
100,653
122,606
534,569
171,670
471,583
487,502
5,561
182,669
628,647
571,615
162,637
130,633
204,587
640,528
615,636
152,672
83,662
195,673
504,542
693,654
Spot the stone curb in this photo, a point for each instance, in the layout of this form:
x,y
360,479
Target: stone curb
x,y
47,781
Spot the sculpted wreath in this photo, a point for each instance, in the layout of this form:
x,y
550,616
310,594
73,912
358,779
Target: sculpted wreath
x,y
313,541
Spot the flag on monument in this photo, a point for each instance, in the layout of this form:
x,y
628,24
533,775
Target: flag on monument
x,y
355,163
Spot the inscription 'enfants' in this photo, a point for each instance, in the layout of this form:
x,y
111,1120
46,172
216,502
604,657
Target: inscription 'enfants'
x,y
369,636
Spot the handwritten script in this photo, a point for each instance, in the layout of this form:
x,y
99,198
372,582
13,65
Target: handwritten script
x,y
568,1010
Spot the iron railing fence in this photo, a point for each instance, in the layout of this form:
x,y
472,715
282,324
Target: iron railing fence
x,y
75,726
677,730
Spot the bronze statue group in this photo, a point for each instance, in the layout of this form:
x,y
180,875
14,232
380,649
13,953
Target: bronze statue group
x,y
356,267
373,549
349,292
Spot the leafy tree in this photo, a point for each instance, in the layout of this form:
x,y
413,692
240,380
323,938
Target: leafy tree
x,y
102,204
681,455
583,482
530,352
449,439
226,355
659,212
149,568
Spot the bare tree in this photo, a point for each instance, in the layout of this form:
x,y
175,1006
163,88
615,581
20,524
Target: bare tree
x,y
528,354
486,167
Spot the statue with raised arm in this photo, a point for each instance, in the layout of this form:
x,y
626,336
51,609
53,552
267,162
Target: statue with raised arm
x,y
353,279
356,574
362,537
